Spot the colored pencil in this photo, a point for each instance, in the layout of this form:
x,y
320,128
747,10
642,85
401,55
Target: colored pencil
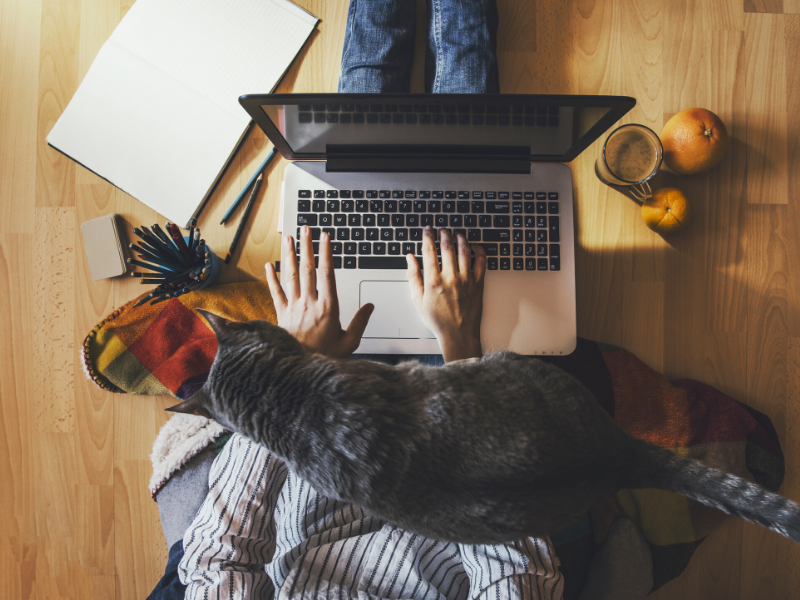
x,y
245,214
241,195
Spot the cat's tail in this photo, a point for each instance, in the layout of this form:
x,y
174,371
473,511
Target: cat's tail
x,y
659,468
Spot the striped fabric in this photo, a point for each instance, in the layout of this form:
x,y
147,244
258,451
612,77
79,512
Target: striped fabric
x,y
262,528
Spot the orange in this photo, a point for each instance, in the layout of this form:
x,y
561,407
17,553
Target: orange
x,y
694,141
666,211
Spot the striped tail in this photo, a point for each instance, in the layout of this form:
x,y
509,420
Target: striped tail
x,y
655,467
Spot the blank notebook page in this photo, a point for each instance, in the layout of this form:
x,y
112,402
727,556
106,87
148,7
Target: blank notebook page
x,y
157,114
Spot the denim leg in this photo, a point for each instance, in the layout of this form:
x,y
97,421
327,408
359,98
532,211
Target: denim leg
x,y
461,57
378,47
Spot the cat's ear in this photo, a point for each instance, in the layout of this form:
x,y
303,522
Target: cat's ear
x,y
191,406
220,325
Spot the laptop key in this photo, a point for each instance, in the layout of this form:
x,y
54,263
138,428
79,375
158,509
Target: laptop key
x,y
357,234
325,220
369,220
498,207
343,233
505,264
426,220
310,220
541,208
348,206
552,195
530,264
330,231
541,221
387,234
404,206
542,264
318,205
501,221
541,250
555,236
440,221
530,208
516,208
519,264
496,235
415,234
408,248
332,206
401,234
390,206
379,248
337,262
411,194
530,249
304,194
358,194
412,220
435,206
365,248
303,206
393,248
420,206
456,220
319,193
398,220
376,206
362,206
474,235
541,235
382,262
349,262
344,194
491,249
541,195
517,250
336,247
491,263
505,249
424,195
552,208
485,220
437,195
350,247
340,220
462,206
478,206
384,220
354,220
530,235
373,234
470,220
516,221
502,195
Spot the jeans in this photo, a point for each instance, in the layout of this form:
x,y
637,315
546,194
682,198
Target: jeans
x,y
461,55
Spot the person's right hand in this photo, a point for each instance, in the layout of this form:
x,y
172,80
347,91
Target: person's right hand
x,y
450,300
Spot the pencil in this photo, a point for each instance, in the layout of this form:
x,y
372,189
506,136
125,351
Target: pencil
x,y
245,214
241,195
158,268
192,225
177,237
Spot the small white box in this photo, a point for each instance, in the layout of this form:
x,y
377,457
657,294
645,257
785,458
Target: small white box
x,y
103,246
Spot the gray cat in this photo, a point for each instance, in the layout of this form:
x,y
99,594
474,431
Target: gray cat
x,y
481,451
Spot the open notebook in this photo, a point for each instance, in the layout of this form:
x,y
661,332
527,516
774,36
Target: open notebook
x,y
158,113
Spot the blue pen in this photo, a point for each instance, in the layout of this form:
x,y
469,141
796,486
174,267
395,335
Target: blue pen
x,y
242,194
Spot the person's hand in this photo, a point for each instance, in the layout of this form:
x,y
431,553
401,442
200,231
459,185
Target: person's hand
x,y
311,312
450,300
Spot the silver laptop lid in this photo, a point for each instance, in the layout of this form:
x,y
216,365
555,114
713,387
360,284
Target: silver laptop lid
x,y
442,132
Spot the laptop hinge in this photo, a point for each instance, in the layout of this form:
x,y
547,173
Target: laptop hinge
x,y
426,165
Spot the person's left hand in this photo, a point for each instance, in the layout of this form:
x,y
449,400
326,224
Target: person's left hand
x,y
311,312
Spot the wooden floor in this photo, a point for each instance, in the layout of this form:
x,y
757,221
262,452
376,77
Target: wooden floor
x,y
719,302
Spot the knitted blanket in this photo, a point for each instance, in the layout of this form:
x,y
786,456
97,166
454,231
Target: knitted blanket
x,y
168,349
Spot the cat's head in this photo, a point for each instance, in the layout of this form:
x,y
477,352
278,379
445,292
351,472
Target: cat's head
x,y
237,341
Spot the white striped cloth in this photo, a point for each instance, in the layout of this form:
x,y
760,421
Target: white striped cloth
x,y
263,529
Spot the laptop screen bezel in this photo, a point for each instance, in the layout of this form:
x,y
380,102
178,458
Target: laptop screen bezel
x,y
618,106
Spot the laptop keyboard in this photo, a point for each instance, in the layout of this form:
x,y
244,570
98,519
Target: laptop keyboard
x,y
375,229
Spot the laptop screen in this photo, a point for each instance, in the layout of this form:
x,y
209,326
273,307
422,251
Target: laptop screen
x,y
535,128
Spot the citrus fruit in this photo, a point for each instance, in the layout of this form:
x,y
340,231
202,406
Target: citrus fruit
x,y
666,211
694,141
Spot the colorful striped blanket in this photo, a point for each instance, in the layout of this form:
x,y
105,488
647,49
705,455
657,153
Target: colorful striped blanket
x,y
168,349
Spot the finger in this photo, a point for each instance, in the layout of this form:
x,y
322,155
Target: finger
x,y
275,289
415,280
429,261
291,283
449,258
327,281
352,337
464,257
308,272
480,264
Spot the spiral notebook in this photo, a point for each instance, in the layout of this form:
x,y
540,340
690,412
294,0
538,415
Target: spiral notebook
x,y
157,115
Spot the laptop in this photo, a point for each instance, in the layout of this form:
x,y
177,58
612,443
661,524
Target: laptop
x,y
374,169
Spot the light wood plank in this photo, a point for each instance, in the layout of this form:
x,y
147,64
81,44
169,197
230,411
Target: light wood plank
x,y
767,121
20,23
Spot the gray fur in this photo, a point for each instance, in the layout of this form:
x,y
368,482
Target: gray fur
x,y
484,451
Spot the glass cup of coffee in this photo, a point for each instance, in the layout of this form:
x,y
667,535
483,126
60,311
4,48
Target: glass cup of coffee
x,y
631,155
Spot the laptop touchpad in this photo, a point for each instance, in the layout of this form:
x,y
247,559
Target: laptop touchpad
x,y
395,315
